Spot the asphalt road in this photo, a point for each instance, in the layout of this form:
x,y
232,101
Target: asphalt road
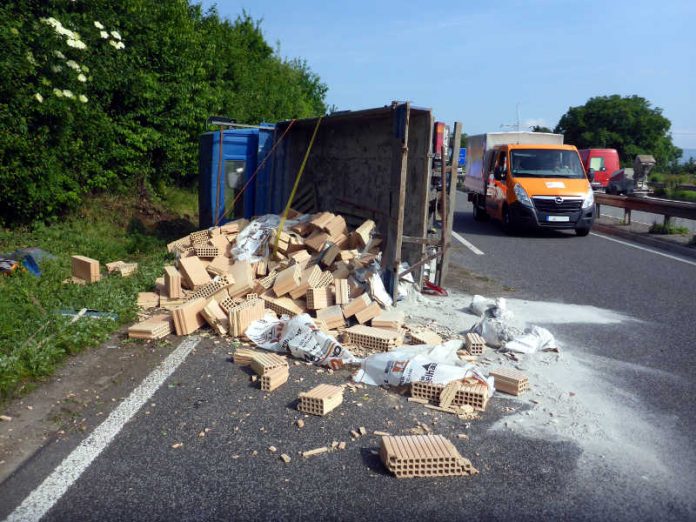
x,y
227,472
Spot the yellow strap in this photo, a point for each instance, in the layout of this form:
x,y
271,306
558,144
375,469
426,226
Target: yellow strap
x,y
294,188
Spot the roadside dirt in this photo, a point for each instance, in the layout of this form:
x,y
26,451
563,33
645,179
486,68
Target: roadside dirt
x,y
93,381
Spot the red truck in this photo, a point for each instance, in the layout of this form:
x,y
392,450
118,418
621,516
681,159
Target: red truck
x,y
604,162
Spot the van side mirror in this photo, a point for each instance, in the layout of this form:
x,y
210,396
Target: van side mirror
x,y
500,172
590,175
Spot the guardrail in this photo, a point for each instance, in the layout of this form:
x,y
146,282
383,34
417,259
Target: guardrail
x,y
665,207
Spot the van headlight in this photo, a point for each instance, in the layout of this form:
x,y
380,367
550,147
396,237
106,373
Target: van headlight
x,y
589,199
522,196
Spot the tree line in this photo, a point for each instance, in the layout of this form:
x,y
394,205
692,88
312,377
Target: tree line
x,y
112,96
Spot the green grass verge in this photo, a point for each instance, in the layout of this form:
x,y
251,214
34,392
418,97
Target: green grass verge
x,y
661,228
34,337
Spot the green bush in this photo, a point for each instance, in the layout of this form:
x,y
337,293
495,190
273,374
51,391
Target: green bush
x,y
112,96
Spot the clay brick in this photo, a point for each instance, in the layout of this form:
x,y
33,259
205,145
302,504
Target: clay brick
x,y
376,339
300,257
85,268
341,270
509,381
303,229
322,219
193,273
357,304
315,242
408,456
187,317
263,362
222,243
318,298
213,288
474,393
320,400
176,246
341,295
243,276
234,227
332,317
215,317
329,255
243,314
199,237
363,233
274,378
474,344
155,327
368,313
172,283
336,227
282,305
219,266
309,278
391,319
287,280
326,279
425,336
148,300
121,267
207,251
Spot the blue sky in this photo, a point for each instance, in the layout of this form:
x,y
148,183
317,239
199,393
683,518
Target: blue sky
x,y
477,61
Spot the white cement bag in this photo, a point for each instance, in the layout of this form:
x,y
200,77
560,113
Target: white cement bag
x,y
533,340
480,304
299,336
252,243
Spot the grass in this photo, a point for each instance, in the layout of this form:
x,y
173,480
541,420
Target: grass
x,y
34,337
661,228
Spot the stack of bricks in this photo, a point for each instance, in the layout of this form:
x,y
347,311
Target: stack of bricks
x,y
85,269
474,344
272,369
510,381
318,298
375,339
472,393
320,400
391,320
410,456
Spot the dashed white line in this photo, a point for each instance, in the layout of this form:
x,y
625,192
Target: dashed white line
x,y
50,491
466,244
626,243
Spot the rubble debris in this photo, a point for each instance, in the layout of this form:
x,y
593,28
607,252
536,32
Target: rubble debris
x,y
321,399
274,378
424,336
85,269
122,268
5,418
408,456
316,451
299,423
470,392
148,300
509,381
362,430
285,457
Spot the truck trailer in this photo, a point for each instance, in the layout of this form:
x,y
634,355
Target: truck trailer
x,y
528,179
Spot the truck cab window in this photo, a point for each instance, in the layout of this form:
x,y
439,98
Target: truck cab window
x,y
500,166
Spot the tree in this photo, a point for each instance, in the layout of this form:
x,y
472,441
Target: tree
x,y
462,140
628,124
540,128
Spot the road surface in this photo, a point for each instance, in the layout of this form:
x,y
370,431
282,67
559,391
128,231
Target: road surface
x,y
194,443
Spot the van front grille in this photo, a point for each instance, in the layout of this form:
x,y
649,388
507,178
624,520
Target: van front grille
x,y
557,205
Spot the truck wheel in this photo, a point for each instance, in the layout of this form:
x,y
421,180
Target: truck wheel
x,y
582,231
479,213
508,225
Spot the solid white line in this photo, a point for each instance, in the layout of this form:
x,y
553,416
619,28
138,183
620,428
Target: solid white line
x,y
467,244
645,249
49,492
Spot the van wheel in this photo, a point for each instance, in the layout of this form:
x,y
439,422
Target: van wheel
x,y
582,231
479,213
508,226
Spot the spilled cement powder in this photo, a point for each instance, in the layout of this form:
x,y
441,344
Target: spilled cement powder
x,y
574,396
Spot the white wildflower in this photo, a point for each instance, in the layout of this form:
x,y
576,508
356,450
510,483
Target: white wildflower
x,y
58,93
73,65
56,68
77,44
116,35
58,54
98,25
120,45
68,94
81,78
38,97
104,34
66,32
51,21
113,43
82,98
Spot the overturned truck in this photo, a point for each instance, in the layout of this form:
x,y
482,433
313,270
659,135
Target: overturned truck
x,y
369,164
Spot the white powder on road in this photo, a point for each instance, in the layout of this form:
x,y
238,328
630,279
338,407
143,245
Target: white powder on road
x,y
577,396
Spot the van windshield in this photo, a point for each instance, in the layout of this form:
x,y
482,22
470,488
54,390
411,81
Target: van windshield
x,y
545,163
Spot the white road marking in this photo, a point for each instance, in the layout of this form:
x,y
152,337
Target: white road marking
x,y
692,263
466,244
50,491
